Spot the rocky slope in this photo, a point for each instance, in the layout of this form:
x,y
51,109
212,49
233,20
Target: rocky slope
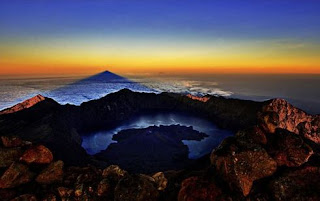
x,y
273,156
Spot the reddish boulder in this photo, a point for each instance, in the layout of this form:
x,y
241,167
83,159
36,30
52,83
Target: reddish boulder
x,y
37,154
11,141
52,174
289,149
15,175
196,189
299,185
240,165
64,192
104,188
114,172
9,155
160,180
137,188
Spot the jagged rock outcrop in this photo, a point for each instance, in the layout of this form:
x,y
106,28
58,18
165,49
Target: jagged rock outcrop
x,y
278,113
24,105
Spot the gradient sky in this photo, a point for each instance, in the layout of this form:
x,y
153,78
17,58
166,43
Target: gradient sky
x,y
274,36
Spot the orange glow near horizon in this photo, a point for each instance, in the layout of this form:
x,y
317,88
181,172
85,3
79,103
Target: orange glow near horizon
x,y
88,56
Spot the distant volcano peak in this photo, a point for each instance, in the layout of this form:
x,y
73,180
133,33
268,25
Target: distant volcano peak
x,y
107,76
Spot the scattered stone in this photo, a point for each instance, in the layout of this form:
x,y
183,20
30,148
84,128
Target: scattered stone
x,y
104,188
9,155
52,174
160,180
135,188
114,172
11,141
297,185
65,192
196,189
289,149
50,197
15,175
37,154
78,190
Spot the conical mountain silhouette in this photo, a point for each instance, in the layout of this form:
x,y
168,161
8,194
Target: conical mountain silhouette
x,y
107,76
94,87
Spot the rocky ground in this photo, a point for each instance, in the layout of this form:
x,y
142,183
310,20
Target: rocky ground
x,y
274,156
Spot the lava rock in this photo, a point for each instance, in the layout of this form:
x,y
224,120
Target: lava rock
x,y
11,142
289,149
37,154
15,175
9,155
240,167
114,172
297,185
196,189
137,188
25,197
52,174
160,180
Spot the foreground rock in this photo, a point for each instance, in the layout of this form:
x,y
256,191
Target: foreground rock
x,y
11,142
240,165
16,175
25,197
37,154
289,149
9,155
198,189
136,188
52,174
301,184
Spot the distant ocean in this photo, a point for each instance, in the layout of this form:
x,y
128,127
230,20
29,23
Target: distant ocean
x,y
302,91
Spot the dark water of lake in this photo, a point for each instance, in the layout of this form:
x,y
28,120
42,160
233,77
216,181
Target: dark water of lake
x,y
95,142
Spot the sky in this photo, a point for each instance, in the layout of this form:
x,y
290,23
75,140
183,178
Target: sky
x,y
139,36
